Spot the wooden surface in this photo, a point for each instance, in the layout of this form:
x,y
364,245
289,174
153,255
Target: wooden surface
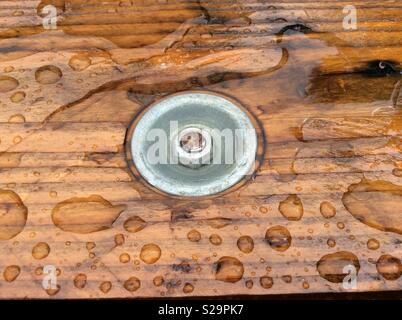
x,y
328,191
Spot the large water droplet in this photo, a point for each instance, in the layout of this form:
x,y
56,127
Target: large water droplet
x,y
291,208
389,267
40,250
245,244
134,224
279,238
8,83
377,204
331,266
13,214
48,74
150,253
229,269
86,215
11,273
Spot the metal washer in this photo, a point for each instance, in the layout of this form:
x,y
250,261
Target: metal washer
x,y
193,109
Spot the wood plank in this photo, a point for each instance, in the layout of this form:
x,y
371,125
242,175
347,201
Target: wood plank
x,y
328,105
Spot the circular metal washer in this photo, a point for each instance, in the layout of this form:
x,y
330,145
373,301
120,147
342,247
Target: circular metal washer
x,y
152,142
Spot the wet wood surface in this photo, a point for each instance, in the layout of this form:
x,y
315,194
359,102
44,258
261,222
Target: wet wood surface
x,y
328,192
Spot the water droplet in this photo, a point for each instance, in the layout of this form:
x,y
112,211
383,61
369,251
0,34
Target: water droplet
x,y
397,172
158,281
150,253
330,266
245,244
373,244
90,245
279,238
86,215
48,74
17,139
124,258
287,278
119,239
215,239
18,97
188,288
305,285
266,282
327,210
194,235
340,225
389,267
105,286
40,250
53,291
377,204
8,69
291,208
218,223
80,280
134,224
229,269
8,83
11,273
249,284
79,62
331,242
132,284
13,214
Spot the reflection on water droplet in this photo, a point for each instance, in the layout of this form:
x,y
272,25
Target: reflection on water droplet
x,y
40,250
134,224
373,244
245,244
229,269
278,238
291,208
331,266
389,267
86,215
48,74
266,282
80,280
150,253
194,235
377,204
13,214
132,284
8,83
327,210
11,273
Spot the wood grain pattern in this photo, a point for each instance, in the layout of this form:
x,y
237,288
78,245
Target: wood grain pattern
x,y
328,192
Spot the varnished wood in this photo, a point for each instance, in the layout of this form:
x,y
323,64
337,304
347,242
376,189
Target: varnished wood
x,y
328,105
